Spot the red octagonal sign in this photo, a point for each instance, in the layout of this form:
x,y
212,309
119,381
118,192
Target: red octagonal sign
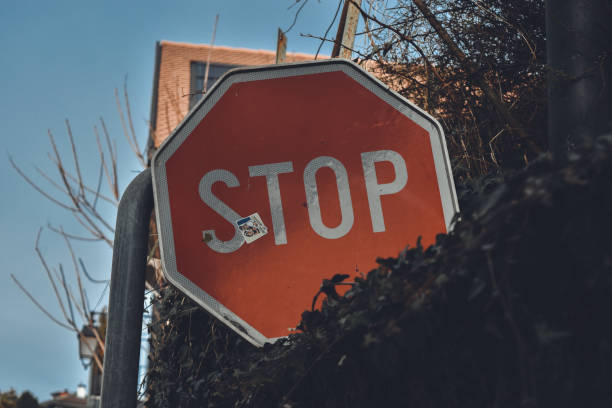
x,y
284,175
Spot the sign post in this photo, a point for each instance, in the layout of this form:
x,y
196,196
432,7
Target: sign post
x,y
288,174
126,295
281,47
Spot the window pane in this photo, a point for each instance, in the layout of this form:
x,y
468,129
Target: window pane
x,y
198,71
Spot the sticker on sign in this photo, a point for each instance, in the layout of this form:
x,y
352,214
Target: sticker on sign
x,y
251,228
340,168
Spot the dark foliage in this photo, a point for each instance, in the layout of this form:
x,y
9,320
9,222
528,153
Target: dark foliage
x,y
9,399
510,309
27,400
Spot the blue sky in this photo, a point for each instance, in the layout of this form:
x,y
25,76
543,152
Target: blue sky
x,y
63,60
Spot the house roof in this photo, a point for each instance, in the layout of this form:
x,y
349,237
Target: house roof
x,y
234,55
64,399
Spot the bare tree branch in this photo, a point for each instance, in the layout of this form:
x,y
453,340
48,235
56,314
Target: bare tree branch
x,y
107,173
113,155
74,179
82,204
49,275
479,79
136,150
92,229
72,236
210,50
60,169
86,206
63,281
99,186
37,188
75,157
328,28
102,295
77,274
496,16
89,276
297,13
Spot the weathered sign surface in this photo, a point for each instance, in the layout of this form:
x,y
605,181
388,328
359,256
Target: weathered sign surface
x,y
285,175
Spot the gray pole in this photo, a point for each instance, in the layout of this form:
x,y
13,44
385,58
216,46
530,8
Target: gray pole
x,y
579,51
125,304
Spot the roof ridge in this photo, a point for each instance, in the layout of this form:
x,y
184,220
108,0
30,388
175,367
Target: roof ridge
x,y
230,48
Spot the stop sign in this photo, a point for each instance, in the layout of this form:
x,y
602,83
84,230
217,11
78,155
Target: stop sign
x,y
284,175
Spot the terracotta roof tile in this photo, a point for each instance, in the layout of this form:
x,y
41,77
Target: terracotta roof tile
x,y
238,55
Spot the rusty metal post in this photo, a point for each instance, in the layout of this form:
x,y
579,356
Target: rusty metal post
x,y
281,47
579,54
340,32
350,28
345,37
125,304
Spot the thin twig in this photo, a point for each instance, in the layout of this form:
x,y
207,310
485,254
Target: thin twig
x,y
72,236
87,303
478,79
49,315
102,295
210,50
103,161
89,319
60,169
49,275
90,227
113,155
76,272
75,157
503,20
122,118
63,281
100,176
404,37
95,214
74,179
37,188
50,180
369,34
79,308
92,280
328,28
137,150
297,13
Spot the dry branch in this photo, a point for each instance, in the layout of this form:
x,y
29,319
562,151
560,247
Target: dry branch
x,y
210,50
76,272
492,97
42,309
130,136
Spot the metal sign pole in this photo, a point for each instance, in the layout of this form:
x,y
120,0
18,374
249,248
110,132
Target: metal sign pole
x,y
579,89
123,334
